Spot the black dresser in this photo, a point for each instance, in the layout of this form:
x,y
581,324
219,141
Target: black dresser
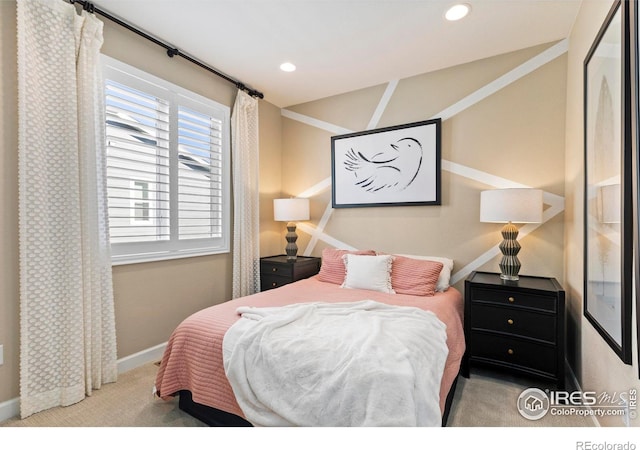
x,y
276,271
517,326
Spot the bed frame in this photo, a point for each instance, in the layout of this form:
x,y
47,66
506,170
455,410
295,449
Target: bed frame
x,y
217,418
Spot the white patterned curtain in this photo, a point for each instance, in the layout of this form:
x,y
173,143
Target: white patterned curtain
x,y
246,222
67,325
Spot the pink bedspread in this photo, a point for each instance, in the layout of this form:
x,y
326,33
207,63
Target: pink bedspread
x,y
193,358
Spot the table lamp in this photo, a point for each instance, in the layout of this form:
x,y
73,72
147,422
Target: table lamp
x,y
291,210
509,206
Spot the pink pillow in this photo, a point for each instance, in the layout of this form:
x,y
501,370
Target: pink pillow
x,y
414,276
332,269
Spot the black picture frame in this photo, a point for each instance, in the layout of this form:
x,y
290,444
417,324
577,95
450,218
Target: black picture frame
x,y
634,17
392,166
608,219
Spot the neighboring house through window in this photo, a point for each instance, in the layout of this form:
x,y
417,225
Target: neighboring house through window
x,y
140,204
167,168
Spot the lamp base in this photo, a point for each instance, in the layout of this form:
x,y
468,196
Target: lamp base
x,y
506,277
291,249
509,265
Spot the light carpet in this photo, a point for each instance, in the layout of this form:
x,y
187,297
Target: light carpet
x,y
483,400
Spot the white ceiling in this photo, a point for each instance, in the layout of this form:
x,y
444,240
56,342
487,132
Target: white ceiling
x,y
341,45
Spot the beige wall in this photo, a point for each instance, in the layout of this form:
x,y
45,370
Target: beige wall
x,y
150,298
517,134
272,240
595,365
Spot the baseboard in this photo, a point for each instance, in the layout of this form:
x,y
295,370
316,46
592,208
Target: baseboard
x,y
141,358
11,408
576,385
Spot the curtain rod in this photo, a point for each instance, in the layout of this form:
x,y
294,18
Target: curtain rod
x,y
171,51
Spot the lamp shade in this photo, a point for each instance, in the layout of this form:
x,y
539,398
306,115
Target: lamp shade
x,y
511,205
290,209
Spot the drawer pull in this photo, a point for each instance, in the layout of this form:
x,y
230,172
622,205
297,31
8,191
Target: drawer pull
x,y
274,284
510,321
510,351
511,299
274,269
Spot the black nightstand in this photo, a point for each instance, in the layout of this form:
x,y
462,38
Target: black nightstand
x,y
515,325
276,271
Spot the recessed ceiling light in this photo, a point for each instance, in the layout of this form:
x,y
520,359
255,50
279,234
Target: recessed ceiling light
x,y
457,12
287,67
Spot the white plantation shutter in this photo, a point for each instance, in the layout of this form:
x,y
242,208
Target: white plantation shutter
x,y
167,168
199,175
137,165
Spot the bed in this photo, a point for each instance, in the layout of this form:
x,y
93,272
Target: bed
x,y
193,366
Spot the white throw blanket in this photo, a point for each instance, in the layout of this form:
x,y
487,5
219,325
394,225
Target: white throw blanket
x,y
344,364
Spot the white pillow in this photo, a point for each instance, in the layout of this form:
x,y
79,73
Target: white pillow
x,y
368,272
445,273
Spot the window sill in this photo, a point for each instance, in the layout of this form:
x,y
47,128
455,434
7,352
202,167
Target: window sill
x,y
164,256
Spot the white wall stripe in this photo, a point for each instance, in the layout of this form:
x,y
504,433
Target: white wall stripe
x,y
489,254
316,188
473,265
493,181
310,229
478,175
315,122
524,69
555,202
382,104
556,206
319,229
496,182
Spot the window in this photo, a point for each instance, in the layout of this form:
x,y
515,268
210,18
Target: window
x,y
167,168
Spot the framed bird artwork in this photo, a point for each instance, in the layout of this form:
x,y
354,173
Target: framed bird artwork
x,y
392,166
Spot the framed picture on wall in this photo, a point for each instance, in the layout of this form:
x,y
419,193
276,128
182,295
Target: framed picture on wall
x,y
391,166
608,233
